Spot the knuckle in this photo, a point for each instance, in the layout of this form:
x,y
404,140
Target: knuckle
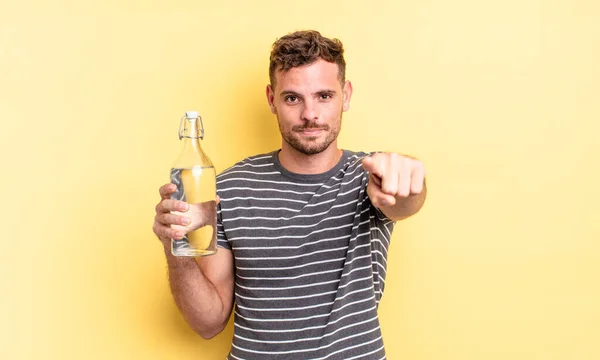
x,y
406,161
157,229
390,187
170,205
178,204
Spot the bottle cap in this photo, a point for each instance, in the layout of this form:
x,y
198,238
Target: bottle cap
x,y
191,114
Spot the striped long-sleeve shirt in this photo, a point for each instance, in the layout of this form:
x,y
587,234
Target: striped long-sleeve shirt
x,y
310,260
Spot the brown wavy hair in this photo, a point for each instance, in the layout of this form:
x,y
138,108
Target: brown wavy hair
x,y
304,48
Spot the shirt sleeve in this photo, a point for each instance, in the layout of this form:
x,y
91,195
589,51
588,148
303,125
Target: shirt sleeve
x,y
222,241
381,228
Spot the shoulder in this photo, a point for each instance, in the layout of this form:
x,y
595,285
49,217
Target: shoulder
x,y
252,167
354,159
255,161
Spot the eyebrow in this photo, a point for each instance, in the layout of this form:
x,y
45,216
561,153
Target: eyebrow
x,y
320,92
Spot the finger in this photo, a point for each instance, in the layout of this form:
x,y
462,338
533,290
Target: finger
x,y
168,205
166,232
378,197
417,180
374,182
157,228
374,179
372,165
389,179
404,178
383,200
178,231
166,190
173,218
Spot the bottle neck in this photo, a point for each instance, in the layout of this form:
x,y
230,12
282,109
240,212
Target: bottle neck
x,y
190,144
190,133
191,128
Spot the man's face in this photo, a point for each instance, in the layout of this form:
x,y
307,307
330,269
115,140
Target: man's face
x,y
309,101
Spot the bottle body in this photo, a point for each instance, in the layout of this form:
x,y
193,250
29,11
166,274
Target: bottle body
x,y
194,175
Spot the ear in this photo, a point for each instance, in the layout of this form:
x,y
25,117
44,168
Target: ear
x,y
271,98
347,91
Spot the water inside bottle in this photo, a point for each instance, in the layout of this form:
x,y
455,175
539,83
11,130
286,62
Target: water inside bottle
x,y
197,187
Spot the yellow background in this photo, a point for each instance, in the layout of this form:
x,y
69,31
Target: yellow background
x,y
500,99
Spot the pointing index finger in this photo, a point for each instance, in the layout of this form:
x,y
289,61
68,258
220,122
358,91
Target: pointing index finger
x,y
370,165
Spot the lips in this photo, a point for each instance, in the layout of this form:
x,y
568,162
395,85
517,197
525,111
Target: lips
x,y
311,131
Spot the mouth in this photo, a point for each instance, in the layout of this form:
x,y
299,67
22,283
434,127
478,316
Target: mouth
x,y
311,132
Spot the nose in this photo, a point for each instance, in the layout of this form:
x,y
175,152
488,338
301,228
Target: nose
x,y
310,112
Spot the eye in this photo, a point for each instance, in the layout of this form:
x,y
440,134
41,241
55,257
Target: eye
x,y
326,96
291,99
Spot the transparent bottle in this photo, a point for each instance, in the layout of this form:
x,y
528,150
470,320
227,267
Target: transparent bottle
x,y
195,177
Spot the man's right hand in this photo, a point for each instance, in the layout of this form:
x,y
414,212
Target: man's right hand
x,y
168,225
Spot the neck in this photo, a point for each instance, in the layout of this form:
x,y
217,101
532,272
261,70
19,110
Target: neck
x,y
299,163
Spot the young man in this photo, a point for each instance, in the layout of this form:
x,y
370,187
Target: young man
x,y
304,231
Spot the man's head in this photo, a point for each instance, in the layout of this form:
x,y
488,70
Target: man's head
x,y
308,90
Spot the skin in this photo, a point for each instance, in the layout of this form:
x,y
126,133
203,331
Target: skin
x,y
202,287
308,102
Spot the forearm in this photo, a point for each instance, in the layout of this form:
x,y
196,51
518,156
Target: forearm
x,y
196,297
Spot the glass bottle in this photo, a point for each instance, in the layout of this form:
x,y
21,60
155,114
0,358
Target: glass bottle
x,y
195,177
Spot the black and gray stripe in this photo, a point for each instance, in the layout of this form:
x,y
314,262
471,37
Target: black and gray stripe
x,y
310,260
